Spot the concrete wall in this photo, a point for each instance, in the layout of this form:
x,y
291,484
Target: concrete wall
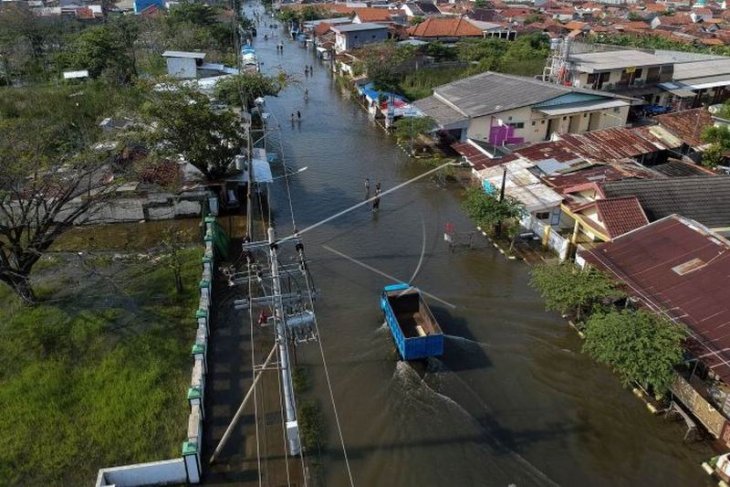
x,y
151,207
352,40
182,68
166,471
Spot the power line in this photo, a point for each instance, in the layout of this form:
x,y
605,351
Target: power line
x,y
329,382
253,372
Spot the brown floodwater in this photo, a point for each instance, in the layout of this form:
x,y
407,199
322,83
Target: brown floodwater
x,y
512,400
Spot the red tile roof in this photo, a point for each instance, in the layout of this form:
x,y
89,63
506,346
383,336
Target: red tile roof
x,y
373,14
651,262
621,215
445,27
321,29
575,25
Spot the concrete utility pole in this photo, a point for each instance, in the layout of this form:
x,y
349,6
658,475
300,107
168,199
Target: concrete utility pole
x,y
292,426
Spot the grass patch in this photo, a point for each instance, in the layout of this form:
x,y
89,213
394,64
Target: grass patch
x,y
420,84
80,392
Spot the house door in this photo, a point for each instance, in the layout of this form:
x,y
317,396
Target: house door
x,y
594,122
574,126
553,125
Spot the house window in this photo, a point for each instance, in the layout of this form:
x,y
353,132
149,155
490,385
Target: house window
x,y
533,123
542,215
542,122
565,118
616,110
585,115
517,125
638,73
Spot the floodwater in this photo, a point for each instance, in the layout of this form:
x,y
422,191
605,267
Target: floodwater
x,y
512,401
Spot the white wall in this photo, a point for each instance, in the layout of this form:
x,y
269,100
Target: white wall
x,y
166,471
479,127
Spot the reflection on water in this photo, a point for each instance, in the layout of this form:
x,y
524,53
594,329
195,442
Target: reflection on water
x,y
140,236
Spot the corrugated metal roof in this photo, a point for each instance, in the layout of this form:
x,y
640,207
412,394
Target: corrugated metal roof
x,y
687,125
702,198
358,27
689,72
610,60
522,185
587,106
613,144
645,260
490,92
443,114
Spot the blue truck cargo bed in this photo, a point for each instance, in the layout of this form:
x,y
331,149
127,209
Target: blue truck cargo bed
x,y
415,331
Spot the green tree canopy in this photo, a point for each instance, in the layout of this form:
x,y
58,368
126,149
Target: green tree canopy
x,y
487,211
50,176
567,288
185,123
249,86
408,128
638,345
719,139
105,50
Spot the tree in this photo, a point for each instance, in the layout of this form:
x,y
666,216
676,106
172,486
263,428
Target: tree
x,y
173,243
105,50
384,64
719,138
248,87
409,128
186,124
567,288
638,345
44,190
416,19
487,211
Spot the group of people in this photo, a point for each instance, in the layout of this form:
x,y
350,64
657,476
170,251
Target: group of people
x,y
308,70
298,117
376,197
280,48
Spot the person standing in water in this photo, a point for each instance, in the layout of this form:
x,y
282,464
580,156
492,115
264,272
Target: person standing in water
x,y
376,201
299,115
367,188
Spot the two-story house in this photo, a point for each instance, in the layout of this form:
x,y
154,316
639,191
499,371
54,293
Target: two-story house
x,y
628,72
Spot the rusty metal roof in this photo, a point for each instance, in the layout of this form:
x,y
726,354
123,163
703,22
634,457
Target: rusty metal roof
x,y
687,124
615,144
678,268
592,175
477,159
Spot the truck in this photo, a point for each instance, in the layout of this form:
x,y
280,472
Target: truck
x,y
415,331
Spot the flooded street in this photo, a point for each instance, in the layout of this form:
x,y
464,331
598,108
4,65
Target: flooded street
x,y
512,401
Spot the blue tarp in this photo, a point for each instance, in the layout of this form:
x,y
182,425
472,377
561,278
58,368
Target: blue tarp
x,y
488,187
373,94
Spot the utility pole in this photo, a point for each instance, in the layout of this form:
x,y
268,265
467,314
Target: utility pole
x,y
292,427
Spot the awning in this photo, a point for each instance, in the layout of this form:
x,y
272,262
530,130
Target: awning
x,y
261,171
677,90
581,107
